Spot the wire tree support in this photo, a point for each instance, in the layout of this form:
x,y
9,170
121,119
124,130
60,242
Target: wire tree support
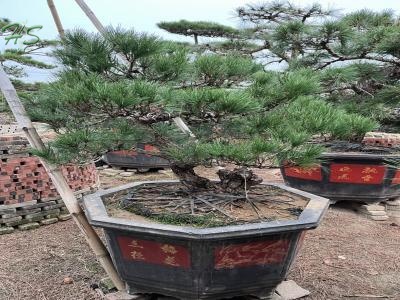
x,y
59,181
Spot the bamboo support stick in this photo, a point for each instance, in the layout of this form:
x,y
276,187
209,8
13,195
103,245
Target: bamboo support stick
x,y
96,22
59,181
56,18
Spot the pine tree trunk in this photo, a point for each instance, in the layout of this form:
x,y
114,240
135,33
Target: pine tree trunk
x,y
231,181
189,178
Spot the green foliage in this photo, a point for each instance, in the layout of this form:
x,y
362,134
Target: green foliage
x,y
86,52
131,44
211,103
169,64
239,112
274,88
214,70
17,56
200,28
365,19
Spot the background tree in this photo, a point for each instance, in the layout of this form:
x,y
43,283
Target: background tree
x,y
356,55
199,28
16,57
22,53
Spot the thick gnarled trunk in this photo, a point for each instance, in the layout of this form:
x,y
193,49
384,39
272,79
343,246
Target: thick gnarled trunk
x,y
231,181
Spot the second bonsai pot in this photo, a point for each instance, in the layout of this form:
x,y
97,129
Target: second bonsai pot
x,y
203,263
136,159
357,177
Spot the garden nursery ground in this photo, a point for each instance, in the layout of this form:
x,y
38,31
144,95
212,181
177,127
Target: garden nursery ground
x,y
347,257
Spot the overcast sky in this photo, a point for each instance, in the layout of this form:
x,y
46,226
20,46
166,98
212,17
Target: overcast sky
x,y
143,15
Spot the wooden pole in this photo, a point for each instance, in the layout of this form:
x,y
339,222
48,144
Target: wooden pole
x,y
56,18
59,181
92,17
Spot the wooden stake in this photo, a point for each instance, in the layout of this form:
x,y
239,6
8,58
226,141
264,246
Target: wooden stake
x,y
92,17
56,18
59,181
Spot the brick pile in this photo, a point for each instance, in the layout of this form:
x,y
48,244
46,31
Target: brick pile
x,y
28,198
382,139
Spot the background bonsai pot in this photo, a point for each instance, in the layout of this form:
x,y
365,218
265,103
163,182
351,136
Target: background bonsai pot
x,y
348,176
203,263
134,159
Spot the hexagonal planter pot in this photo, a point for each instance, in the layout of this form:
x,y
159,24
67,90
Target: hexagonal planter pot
x,y
357,177
203,263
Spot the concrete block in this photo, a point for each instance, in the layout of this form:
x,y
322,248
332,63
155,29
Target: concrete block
x,y
379,218
52,213
6,230
126,174
372,207
15,205
289,290
23,212
38,205
374,213
392,208
13,219
393,202
15,223
64,217
48,221
7,210
110,172
28,226
8,216
54,206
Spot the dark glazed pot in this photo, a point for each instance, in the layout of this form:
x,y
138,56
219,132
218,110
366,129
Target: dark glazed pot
x,y
135,159
203,263
358,177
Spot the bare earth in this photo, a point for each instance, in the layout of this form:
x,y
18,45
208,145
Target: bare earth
x,y
347,257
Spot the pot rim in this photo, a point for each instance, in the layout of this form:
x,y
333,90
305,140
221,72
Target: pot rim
x,y
358,155
97,215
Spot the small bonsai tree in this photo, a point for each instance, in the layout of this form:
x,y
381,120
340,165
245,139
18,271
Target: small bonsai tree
x,y
200,28
238,112
356,53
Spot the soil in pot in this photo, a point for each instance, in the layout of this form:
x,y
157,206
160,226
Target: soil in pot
x,y
172,203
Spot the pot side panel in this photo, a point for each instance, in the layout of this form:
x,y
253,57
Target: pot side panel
x,y
357,173
248,254
153,252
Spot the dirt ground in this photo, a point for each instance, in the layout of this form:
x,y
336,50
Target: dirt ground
x,y
347,257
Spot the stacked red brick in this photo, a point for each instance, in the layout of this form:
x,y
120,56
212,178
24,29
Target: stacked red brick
x,y
382,139
23,177
27,196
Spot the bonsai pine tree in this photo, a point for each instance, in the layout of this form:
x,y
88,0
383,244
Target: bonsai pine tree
x,y
238,112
